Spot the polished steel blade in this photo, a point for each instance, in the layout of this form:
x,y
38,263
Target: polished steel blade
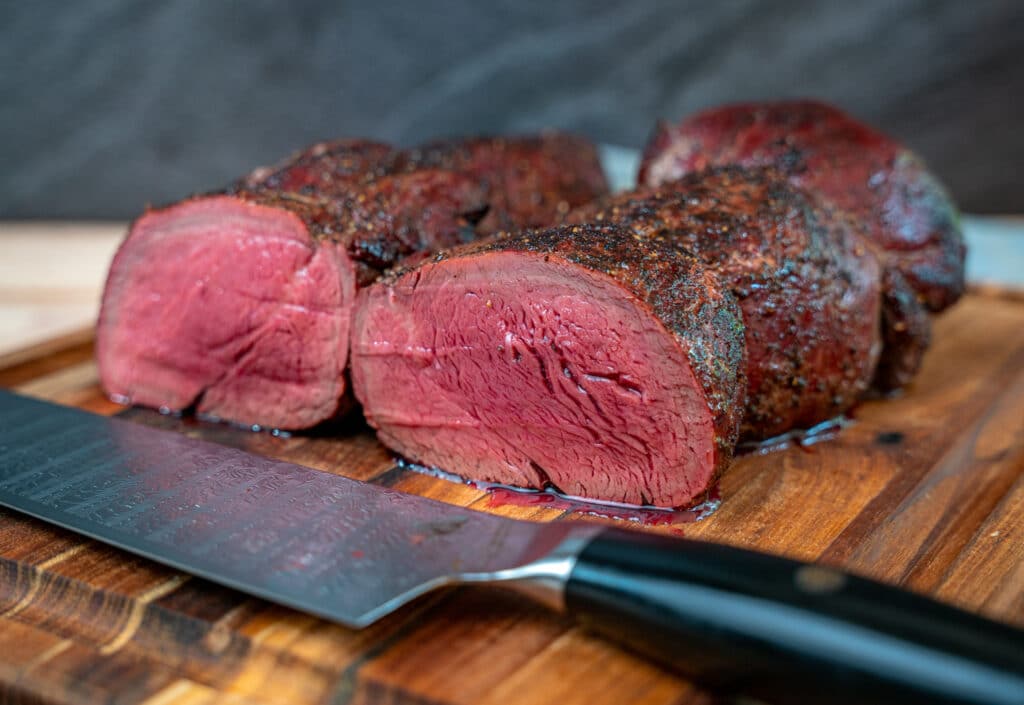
x,y
336,547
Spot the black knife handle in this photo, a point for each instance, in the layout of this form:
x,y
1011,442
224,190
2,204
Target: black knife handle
x,y
789,632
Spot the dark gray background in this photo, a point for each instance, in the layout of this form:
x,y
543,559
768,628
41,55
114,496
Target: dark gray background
x,y
108,104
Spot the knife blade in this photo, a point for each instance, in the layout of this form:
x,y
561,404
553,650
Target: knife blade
x,y
352,552
335,547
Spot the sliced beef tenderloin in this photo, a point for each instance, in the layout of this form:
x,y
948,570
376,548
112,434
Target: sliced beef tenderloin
x,y
175,329
329,169
532,181
904,208
240,303
234,304
582,358
808,286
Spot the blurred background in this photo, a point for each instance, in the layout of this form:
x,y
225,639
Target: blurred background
x,y
109,104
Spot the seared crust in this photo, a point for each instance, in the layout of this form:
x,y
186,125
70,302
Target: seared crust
x,y
808,286
389,219
329,169
488,183
349,192
906,333
686,297
532,181
904,208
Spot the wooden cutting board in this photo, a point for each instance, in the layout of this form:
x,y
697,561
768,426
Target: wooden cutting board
x,y
925,490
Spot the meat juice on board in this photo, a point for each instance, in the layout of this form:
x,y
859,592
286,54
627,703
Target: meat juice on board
x,y
507,495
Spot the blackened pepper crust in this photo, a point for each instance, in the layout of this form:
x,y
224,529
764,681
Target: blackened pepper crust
x,y
808,286
532,181
685,296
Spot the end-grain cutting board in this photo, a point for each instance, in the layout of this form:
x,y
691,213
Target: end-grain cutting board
x,y
925,490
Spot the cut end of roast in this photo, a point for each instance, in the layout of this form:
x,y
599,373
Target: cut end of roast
x,y
527,369
231,307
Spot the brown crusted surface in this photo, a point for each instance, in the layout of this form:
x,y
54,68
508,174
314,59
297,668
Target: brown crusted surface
x,y
532,180
902,206
807,285
388,219
492,183
329,169
687,298
351,192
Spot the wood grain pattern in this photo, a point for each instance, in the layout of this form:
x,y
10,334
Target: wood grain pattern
x,y
925,490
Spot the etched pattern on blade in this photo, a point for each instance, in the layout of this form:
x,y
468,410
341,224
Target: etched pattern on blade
x,y
325,544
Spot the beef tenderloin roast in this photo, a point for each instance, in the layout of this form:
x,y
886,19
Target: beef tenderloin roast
x,y
583,358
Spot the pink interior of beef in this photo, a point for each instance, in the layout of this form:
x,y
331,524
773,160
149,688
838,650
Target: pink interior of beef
x,y
231,305
509,368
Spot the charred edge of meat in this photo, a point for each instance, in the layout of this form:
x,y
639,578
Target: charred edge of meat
x,y
389,219
325,168
531,180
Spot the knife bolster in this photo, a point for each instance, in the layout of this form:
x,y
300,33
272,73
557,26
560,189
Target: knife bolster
x,y
544,579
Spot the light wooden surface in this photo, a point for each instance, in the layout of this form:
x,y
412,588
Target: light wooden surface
x,y
51,278
925,490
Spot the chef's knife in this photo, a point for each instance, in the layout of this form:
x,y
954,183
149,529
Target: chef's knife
x,y
353,552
